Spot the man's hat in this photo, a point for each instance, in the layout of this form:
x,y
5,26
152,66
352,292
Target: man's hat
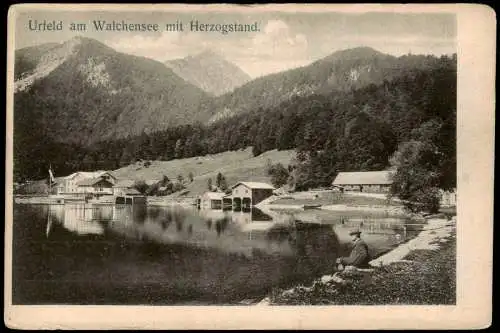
x,y
355,232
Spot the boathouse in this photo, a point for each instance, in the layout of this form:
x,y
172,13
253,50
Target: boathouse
x,y
130,197
365,181
121,186
244,195
211,200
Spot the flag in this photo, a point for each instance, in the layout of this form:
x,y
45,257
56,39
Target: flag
x,y
51,175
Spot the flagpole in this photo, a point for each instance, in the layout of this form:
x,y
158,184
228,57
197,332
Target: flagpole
x,y
50,179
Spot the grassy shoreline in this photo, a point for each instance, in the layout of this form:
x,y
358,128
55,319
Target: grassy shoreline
x,y
424,277
332,198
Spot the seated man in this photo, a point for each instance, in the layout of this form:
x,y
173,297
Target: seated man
x,y
359,256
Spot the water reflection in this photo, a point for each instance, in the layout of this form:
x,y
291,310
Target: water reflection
x,y
80,219
270,231
178,253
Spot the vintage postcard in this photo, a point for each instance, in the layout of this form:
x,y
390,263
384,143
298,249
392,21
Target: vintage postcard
x,y
264,166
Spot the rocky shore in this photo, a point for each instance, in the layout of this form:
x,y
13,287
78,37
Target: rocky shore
x,y
420,271
389,210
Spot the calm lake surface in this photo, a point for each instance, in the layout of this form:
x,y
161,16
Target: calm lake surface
x,y
96,254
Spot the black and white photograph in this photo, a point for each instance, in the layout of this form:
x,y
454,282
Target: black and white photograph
x,y
249,157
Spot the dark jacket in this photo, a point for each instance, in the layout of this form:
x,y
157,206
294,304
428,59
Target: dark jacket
x,y
359,256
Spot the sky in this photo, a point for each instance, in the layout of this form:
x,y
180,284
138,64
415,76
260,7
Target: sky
x,y
284,40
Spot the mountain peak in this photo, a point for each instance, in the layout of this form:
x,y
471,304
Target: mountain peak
x,y
356,53
89,44
209,53
209,71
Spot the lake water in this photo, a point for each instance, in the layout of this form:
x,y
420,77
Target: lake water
x,y
96,254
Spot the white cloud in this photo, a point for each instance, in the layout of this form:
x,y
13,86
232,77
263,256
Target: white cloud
x,y
278,41
275,48
276,27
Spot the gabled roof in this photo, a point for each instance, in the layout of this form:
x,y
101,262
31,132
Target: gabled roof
x,y
90,174
132,191
85,174
105,173
255,185
363,178
92,181
214,195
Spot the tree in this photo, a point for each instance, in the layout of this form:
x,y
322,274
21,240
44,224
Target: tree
x,y
269,165
190,177
168,188
416,177
179,149
177,187
153,189
218,179
126,157
441,134
165,180
257,149
209,184
279,174
180,179
223,184
141,186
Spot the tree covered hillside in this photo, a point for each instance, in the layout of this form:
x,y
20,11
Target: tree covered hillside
x,y
352,130
342,71
85,92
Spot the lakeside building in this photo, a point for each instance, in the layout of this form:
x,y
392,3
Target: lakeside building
x,y
365,181
96,186
448,198
244,195
122,187
70,184
130,196
211,200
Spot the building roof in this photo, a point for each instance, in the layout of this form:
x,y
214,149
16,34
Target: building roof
x,y
92,181
255,185
86,174
363,178
132,191
214,195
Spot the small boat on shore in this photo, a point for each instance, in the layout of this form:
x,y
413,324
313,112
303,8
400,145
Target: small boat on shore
x,y
312,206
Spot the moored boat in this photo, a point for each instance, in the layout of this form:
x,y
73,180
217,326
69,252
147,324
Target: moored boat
x,y
312,206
